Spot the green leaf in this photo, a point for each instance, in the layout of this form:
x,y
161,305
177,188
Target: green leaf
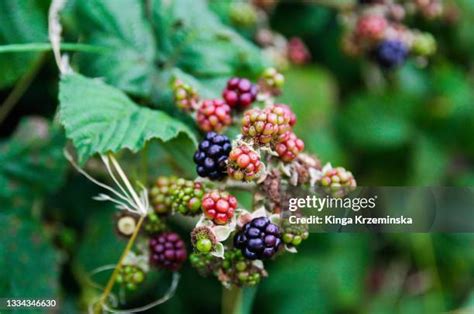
x,y
377,122
31,163
121,26
193,38
21,21
429,162
29,264
99,118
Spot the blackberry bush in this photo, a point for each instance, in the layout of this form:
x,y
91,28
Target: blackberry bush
x,y
377,30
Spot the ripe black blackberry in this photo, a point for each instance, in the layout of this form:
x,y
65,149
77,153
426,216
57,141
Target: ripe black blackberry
x,y
211,156
259,239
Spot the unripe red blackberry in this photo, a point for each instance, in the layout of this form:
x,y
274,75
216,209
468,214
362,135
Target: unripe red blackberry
x,y
244,163
297,51
160,194
130,276
185,96
371,27
337,181
239,271
213,115
240,93
186,197
167,251
266,126
289,148
219,206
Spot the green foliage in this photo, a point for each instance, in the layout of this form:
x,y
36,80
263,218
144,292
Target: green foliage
x,y
31,164
129,63
29,264
101,119
21,21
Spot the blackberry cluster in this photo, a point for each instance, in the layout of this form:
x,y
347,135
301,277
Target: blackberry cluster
x,y
259,239
376,30
167,251
240,93
211,156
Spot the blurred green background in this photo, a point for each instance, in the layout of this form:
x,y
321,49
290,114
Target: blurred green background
x,y
413,126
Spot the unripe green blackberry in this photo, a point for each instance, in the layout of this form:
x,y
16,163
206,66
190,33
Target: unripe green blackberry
x,y
160,194
294,234
130,277
271,81
186,197
424,44
204,263
337,182
203,239
185,96
242,14
240,271
154,223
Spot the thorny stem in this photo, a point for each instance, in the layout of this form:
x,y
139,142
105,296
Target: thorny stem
x,y
113,277
232,300
20,88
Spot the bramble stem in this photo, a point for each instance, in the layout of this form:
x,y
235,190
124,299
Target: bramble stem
x,y
113,277
232,300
